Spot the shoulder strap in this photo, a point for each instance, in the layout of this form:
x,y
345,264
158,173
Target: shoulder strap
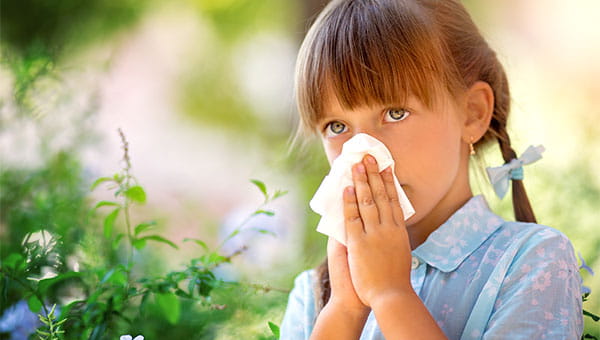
x,y
482,310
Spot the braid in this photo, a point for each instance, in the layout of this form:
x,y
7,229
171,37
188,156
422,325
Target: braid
x,y
496,77
322,286
522,207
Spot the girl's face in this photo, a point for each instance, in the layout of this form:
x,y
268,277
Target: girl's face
x,y
431,161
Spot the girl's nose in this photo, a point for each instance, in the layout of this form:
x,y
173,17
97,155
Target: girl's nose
x,y
369,132
363,129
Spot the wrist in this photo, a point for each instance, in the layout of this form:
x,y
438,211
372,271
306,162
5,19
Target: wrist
x,y
393,298
354,311
336,321
401,314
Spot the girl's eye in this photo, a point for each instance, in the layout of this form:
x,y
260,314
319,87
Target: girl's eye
x,y
335,128
396,114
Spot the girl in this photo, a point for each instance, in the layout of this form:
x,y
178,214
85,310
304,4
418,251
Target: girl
x,y
418,76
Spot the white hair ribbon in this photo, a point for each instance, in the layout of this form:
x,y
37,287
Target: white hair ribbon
x,y
500,175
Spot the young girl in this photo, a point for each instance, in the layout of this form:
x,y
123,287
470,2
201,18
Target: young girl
x,y
418,76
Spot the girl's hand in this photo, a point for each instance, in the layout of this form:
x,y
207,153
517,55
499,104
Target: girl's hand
x,y
379,253
344,316
342,291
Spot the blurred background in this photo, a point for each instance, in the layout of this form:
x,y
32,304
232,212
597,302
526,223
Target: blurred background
x,y
202,89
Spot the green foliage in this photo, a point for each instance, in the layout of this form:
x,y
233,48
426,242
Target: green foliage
x,y
233,22
50,197
115,297
590,315
234,19
37,35
51,329
275,329
45,25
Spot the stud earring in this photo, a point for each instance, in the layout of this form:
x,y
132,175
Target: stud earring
x,y
471,147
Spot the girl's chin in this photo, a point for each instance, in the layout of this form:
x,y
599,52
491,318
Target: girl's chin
x,y
414,219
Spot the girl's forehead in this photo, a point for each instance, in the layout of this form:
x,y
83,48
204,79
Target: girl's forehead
x,y
332,107
331,104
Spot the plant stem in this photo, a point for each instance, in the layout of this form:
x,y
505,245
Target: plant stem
x,y
129,236
239,227
27,287
127,202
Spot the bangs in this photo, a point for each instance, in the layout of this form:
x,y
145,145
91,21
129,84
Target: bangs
x,y
369,52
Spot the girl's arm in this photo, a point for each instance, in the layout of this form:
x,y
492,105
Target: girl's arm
x,y
344,315
337,322
379,255
404,316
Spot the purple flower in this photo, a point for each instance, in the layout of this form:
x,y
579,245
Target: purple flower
x,y
19,321
584,265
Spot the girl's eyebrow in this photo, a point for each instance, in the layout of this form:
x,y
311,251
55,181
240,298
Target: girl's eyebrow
x,y
322,121
327,116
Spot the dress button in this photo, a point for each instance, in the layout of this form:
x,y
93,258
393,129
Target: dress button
x,y
415,263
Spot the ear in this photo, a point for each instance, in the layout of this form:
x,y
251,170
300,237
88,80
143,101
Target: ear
x,y
478,108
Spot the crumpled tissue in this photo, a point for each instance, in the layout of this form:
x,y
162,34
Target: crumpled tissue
x,y
328,199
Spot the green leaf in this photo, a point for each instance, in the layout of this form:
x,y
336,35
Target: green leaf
x,y
213,259
35,305
182,293
591,315
267,232
198,242
117,240
12,261
191,287
116,276
40,332
279,193
60,322
136,193
140,228
275,329
205,282
106,203
169,305
158,238
100,181
139,243
43,319
261,186
233,234
109,222
45,284
91,300
64,311
265,212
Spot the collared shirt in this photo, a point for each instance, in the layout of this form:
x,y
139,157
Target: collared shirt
x,y
480,277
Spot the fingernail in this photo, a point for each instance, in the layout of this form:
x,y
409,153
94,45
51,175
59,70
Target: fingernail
x,y
360,168
371,159
350,190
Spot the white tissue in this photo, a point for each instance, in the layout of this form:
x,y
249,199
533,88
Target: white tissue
x,y
328,200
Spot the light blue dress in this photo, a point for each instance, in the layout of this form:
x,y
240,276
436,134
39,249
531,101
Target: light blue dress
x,y
480,277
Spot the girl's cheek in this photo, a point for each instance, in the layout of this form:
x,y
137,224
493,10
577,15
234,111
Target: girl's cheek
x,y
333,148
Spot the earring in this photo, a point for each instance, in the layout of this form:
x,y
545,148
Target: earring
x,y
471,147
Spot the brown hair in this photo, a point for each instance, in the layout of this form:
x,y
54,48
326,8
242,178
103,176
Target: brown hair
x,y
376,51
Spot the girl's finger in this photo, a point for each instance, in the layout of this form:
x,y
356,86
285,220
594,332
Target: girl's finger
x,y
354,225
366,203
378,190
335,250
392,193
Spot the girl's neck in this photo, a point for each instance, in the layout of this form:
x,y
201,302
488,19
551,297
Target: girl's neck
x,y
441,212
419,231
